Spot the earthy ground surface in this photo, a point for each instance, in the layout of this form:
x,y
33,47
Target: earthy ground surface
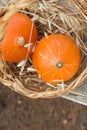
x,y
20,113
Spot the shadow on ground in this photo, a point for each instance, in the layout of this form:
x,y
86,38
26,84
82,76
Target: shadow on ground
x,y
20,113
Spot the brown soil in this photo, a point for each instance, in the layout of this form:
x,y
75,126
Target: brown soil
x,y
20,113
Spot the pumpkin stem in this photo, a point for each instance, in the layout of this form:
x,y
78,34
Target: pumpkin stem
x,y
59,64
21,41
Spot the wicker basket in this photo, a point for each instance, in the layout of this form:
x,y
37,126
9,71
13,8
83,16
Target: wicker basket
x,y
50,16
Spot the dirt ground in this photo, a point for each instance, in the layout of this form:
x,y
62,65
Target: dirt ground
x,y
20,113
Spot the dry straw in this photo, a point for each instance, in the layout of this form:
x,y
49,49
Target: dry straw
x,y
50,16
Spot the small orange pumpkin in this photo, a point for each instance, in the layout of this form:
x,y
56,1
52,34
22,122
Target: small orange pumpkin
x,y
20,30
0,19
56,58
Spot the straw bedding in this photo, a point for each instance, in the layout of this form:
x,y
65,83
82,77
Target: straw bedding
x,y
53,16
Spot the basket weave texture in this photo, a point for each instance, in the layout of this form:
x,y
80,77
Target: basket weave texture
x,y
50,16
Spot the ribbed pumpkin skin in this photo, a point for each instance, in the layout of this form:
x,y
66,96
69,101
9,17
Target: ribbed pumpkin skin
x,y
53,50
19,25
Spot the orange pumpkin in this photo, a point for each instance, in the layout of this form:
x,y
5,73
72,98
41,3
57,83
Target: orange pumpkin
x,y
0,19
20,30
56,58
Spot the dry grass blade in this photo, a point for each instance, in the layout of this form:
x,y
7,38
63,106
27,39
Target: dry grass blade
x,y
80,5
